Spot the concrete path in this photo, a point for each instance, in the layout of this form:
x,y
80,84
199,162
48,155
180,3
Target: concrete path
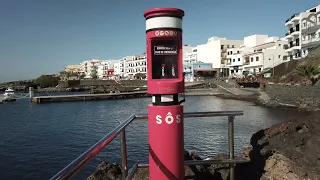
x,y
235,91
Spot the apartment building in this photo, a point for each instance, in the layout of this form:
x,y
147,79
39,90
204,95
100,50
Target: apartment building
x,y
190,55
129,66
73,68
303,32
89,68
215,52
105,69
116,68
258,53
140,64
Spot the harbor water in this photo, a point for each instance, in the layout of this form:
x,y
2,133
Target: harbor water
x,y
38,140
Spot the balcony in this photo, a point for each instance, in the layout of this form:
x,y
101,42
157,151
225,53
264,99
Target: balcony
x,y
246,63
311,42
224,50
310,28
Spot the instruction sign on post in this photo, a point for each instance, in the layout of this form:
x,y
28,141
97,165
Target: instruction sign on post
x,y
165,50
164,59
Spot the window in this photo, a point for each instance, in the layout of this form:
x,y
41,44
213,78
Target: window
x,y
304,24
238,59
232,46
279,56
257,58
279,45
251,59
259,69
227,46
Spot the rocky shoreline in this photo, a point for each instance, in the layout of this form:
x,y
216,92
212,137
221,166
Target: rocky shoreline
x,y
302,98
285,151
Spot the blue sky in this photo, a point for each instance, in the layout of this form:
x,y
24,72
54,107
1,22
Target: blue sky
x,y
42,36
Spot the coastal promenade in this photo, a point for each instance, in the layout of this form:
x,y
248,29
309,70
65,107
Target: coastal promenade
x,y
194,89
105,96
88,97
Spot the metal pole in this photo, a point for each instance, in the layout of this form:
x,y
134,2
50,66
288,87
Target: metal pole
x,y
273,65
124,163
31,93
231,145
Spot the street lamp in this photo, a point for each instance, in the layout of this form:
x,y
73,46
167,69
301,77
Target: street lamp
x,y
272,64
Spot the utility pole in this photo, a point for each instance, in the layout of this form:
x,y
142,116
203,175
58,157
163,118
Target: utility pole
x,y
272,64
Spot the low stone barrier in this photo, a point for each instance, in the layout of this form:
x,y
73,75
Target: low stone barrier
x,y
296,95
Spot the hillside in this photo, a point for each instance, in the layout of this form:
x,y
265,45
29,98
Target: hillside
x,y
285,72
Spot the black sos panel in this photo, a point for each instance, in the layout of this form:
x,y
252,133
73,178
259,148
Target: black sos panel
x,y
165,55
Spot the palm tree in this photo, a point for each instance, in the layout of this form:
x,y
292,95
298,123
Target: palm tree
x,y
93,73
82,75
309,71
63,75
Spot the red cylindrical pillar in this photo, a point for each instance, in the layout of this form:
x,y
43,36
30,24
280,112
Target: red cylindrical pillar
x,y
165,82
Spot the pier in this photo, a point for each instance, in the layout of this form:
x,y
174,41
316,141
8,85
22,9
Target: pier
x,y
88,97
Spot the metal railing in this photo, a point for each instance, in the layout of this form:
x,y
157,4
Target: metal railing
x,y
71,169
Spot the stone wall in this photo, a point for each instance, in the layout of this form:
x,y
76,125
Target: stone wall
x,y
135,83
296,95
97,82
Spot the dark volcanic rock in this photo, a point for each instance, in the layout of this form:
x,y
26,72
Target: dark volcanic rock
x,y
286,151
106,171
290,150
195,172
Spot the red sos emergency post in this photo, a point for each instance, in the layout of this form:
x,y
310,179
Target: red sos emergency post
x,y
165,83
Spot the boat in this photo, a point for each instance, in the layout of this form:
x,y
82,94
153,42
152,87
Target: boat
x,y
9,92
9,95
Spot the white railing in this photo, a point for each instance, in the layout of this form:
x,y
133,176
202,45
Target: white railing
x,y
308,26
307,41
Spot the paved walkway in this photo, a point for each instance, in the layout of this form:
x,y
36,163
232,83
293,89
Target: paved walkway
x,y
232,89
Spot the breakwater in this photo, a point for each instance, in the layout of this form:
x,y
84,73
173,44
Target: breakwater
x,y
89,97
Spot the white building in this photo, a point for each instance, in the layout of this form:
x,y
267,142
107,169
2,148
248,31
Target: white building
x,y
258,53
73,68
89,67
129,66
116,67
103,69
186,51
139,65
303,32
190,55
215,52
